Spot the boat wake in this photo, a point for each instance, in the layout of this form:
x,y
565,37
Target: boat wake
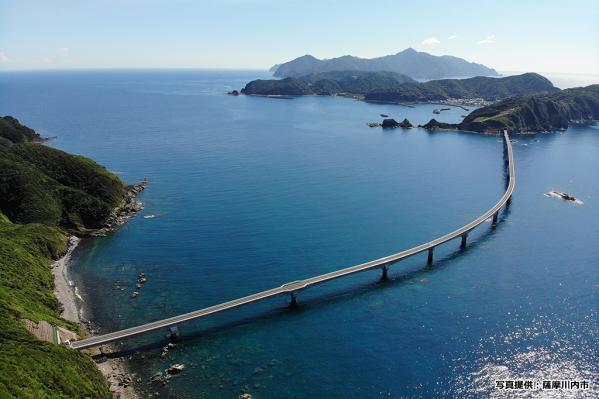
x,y
564,196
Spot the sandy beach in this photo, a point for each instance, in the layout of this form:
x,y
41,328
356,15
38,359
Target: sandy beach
x,y
113,369
63,286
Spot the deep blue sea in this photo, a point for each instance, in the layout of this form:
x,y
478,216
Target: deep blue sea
x,y
247,193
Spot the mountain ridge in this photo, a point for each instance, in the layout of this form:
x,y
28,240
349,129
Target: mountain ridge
x,y
409,62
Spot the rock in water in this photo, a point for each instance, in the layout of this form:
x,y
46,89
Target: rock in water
x,y
175,369
406,124
433,124
389,122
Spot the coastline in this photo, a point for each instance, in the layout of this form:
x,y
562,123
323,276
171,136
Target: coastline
x,y
120,380
64,289
115,371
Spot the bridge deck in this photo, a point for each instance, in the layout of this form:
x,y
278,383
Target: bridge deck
x,y
295,286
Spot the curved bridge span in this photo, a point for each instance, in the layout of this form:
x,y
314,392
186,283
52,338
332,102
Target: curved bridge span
x,y
293,287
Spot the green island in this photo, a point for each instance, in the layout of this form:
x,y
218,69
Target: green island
x,y
45,195
418,64
555,111
390,87
327,84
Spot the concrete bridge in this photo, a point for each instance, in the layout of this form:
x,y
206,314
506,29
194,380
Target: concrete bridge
x,y
294,287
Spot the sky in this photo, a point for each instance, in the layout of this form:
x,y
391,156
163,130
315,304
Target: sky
x,y
524,35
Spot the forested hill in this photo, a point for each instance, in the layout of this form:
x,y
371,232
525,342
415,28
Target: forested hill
x,y
328,83
537,113
490,89
11,131
42,192
407,62
396,88
39,184
547,112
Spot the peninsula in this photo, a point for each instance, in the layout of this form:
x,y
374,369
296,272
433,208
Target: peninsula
x,y
390,87
555,111
46,195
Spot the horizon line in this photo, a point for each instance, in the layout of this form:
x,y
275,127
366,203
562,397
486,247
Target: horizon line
x,y
249,69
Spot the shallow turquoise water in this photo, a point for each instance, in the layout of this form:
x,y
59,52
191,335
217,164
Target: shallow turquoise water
x,y
249,193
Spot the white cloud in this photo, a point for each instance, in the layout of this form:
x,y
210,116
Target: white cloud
x,y
3,57
487,40
64,51
431,41
452,37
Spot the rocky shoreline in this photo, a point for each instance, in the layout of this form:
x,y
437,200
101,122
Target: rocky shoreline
x,y
122,382
119,216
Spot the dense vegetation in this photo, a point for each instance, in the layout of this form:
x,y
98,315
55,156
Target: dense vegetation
x,y
273,87
43,190
533,113
328,83
39,184
490,89
537,113
30,368
396,88
408,62
12,131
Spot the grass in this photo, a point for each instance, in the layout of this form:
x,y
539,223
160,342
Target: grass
x,y
39,184
30,368
43,192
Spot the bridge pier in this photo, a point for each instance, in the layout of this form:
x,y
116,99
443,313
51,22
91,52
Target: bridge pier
x,y
464,239
293,302
173,334
430,255
495,215
385,269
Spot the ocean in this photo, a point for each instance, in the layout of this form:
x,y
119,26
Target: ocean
x,y
247,193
